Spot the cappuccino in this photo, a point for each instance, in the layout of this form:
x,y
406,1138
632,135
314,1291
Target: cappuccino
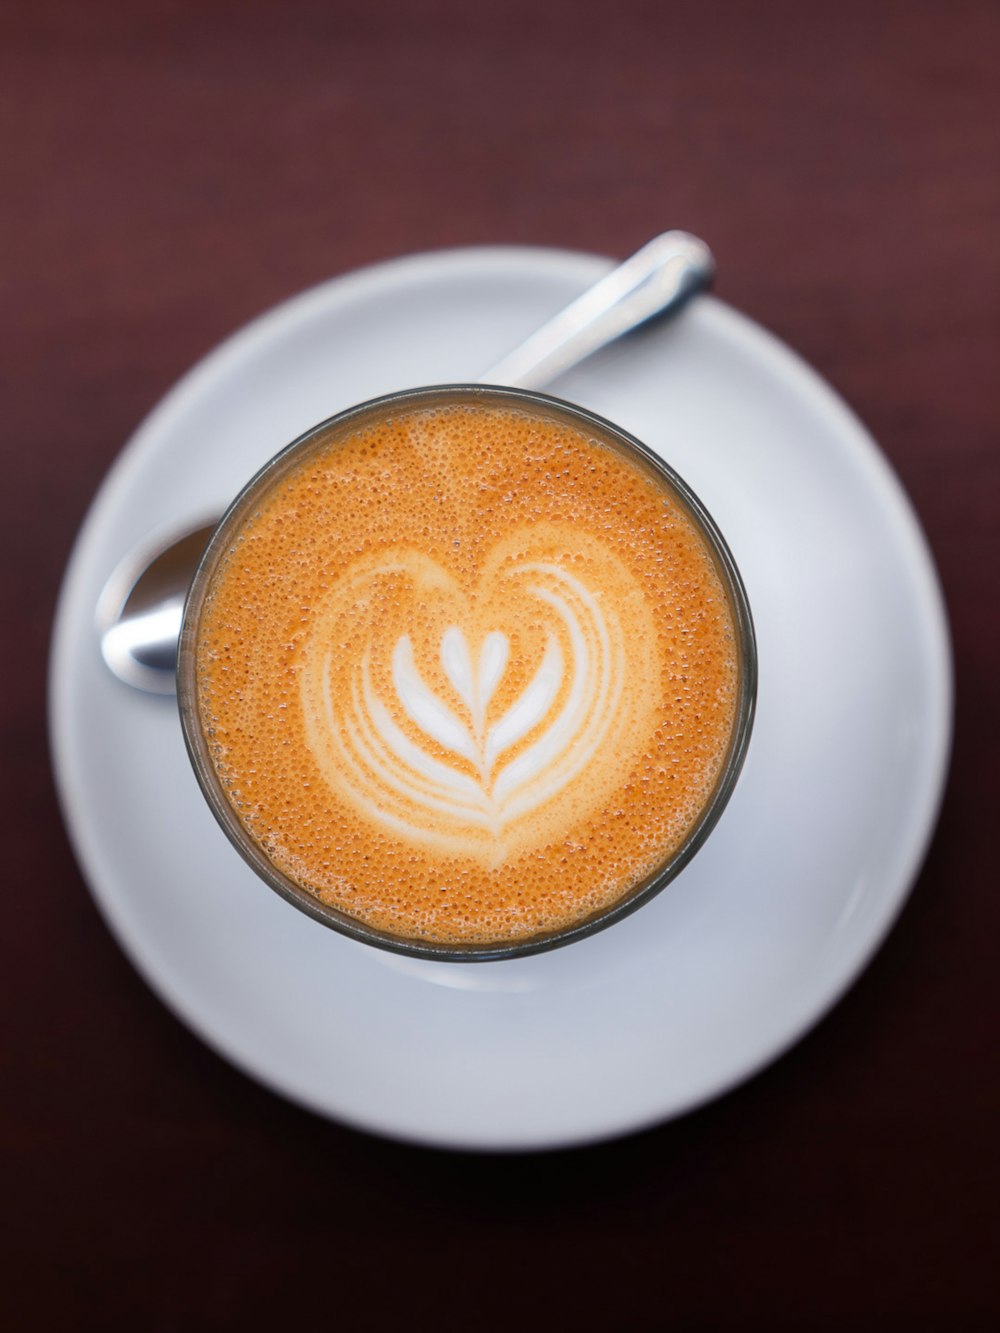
x,y
466,670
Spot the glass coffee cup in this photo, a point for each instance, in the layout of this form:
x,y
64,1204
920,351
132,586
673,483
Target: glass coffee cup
x,y
467,673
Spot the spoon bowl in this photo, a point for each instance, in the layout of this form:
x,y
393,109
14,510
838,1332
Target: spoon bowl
x,y
140,608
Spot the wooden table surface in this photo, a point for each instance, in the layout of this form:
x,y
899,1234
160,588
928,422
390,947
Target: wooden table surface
x,y
172,168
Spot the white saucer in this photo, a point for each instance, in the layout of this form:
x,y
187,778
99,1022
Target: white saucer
x,y
765,929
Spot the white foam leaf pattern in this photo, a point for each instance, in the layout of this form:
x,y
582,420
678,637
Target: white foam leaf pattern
x,y
441,774
484,718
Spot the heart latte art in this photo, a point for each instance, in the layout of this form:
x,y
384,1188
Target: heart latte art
x,y
470,738
466,673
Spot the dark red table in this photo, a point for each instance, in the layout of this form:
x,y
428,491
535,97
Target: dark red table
x,y
173,168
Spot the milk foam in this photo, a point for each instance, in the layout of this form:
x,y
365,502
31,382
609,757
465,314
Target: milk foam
x,y
398,775
467,674
468,762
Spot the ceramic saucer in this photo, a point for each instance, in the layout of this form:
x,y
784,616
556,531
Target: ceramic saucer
x,y
773,919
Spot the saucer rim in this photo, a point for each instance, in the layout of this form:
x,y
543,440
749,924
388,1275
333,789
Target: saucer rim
x,y
796,377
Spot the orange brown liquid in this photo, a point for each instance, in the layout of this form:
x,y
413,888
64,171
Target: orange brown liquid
x,y
468,675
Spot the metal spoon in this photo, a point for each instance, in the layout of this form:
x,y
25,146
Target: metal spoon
x,y
139,610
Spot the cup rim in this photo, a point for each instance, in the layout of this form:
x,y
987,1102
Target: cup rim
x,y
427,397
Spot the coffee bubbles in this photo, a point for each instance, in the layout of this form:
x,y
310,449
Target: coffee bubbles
x,y
466,670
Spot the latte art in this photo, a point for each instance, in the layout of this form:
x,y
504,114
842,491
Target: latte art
x,y
428,742
466,673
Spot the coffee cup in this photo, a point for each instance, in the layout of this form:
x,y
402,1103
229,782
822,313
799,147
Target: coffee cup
x,y
467,673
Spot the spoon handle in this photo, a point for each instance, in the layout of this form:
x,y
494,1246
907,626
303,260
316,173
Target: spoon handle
x,y
656,280
139,612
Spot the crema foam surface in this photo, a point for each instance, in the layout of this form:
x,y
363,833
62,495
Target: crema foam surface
x,y
468,674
